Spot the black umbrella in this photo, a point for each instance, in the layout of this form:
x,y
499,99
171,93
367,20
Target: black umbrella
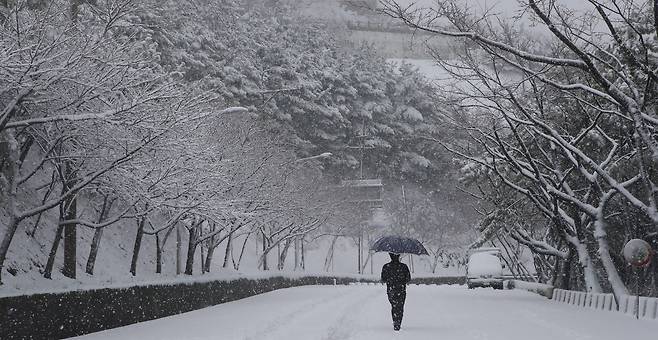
x,y
399,245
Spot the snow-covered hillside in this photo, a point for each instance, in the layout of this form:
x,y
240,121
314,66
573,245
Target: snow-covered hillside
x,y
24,273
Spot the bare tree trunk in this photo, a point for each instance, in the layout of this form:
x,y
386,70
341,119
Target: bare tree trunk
x,y
236,265
9,152
359,260
303,255
160,244
93,250
138,245
70,236
265,252
564,278
229,249
158,254
70,245
191,248
211,252
6,241
179,250
591,278
284,254
372,261
202,260
70,207
98,234
263,259
296,254
617,284
508,258
47,273
330,254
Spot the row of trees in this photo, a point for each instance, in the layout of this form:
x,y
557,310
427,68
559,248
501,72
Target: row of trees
x,y
562,129
92,118
195,116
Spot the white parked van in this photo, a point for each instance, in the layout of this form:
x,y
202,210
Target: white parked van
x,y
484,268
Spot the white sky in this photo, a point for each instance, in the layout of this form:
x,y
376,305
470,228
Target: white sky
x,y
506,9
501,6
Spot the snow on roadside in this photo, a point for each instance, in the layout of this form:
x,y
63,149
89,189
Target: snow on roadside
x,y
112,267
226,276
62,284
535,287
363,313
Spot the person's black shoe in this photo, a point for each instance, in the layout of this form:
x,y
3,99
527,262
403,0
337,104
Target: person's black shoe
x,y
396,328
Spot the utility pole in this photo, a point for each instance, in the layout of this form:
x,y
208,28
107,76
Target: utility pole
x,y
372,259
358,269
364,202
303,257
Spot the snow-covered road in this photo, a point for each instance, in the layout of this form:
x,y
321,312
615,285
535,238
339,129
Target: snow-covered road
x,y
363,313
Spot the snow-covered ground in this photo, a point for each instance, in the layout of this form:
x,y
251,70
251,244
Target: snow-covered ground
x,y
363,313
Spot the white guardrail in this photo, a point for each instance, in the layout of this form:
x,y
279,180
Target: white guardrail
x,y
648,305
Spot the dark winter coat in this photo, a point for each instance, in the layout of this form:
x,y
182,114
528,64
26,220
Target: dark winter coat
x,y
396,274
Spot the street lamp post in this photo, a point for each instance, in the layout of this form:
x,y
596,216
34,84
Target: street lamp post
x,y
310,158
285,180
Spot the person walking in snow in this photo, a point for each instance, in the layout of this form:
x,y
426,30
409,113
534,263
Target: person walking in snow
x,y
396,276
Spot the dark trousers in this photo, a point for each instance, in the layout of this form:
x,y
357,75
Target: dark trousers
x,y
396,297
